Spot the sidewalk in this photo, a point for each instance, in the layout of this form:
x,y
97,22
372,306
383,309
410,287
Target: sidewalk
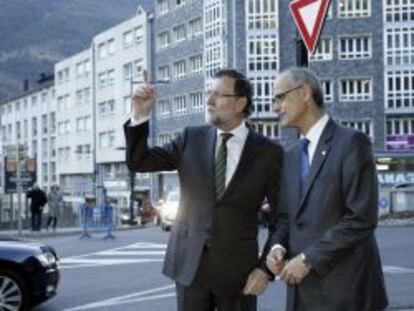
x,y
397,219
60,232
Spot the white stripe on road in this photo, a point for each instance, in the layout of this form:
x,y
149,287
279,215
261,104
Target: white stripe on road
x,y
396,270
131,253
141,252
130,298
81,263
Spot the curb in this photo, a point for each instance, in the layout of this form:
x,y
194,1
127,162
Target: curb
x,y
74,232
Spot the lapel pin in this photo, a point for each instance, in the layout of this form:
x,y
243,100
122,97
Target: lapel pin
x,y
324,152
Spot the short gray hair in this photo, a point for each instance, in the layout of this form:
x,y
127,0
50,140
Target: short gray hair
x,y
301,76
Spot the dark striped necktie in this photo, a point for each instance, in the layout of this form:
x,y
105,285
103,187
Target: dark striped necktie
x,y
304,164
220,166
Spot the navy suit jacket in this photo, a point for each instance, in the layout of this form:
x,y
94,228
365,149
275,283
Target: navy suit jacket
x,y
333,224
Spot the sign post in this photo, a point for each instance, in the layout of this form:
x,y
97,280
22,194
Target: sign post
x,y
20,174
309,16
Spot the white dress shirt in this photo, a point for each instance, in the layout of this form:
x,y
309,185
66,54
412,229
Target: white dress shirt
x,y
314,135
234,148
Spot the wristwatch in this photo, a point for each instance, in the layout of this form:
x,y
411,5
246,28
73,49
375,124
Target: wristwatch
x,y
303,258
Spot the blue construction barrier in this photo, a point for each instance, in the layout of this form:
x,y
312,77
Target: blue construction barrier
x,y
99,217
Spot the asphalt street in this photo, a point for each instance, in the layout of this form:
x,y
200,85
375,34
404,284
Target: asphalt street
x,y
125,273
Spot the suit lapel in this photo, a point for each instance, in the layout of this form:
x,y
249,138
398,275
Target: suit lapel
x,y
293,170
209,157
246,160
319,158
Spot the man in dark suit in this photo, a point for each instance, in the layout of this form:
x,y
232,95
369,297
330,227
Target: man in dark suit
x,y
225,171
328,213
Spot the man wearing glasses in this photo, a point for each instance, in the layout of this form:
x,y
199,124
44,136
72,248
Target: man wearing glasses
x,y
324,245
225,170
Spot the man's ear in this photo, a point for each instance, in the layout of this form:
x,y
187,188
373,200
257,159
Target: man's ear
x,y
306,93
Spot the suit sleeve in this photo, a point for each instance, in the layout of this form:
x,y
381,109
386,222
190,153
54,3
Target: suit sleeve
x,y
141,158
360,193
273,197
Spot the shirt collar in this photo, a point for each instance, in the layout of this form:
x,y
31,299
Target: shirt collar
x,y
316,130
239,132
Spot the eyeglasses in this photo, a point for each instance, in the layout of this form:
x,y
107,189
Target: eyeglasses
x,y
220,95
278,98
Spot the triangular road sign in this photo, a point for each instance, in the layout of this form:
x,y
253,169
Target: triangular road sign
x,y
309,16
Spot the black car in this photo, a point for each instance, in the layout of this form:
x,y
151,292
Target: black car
x,y
29,273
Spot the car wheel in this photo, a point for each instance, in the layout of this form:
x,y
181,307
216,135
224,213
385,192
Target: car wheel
x,y
14,294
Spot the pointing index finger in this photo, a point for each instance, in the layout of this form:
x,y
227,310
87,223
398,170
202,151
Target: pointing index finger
x,y
145,76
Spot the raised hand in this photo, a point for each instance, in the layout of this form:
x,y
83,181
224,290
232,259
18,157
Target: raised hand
x,y
144,98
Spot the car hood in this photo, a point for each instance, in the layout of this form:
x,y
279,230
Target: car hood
x,y
21,246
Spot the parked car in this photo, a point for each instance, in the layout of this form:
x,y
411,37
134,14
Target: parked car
x,y
29,273
168,210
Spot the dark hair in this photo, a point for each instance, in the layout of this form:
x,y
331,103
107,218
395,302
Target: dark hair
x,y
242,87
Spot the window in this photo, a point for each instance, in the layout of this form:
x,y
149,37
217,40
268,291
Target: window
x,y
102,51
163,40
44,148
180,105
53,147
179,70
323,50
196,64
355,47
327,90
162,7
262,90
364,126
354,8
399,44
138,68
127,69
111,46
163,139
127,104
399,93
34,126
196,102
268,129
45,124
139,34
102,80
128,39
262,53
52,122
262,14
107,139
355,90
399,11
195,27
164,108
44,172
400,126
179,33
111,77
164,73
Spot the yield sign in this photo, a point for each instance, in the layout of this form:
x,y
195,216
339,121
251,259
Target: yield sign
x,y
309,16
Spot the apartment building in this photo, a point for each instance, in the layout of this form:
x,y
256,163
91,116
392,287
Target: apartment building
x,y
29,119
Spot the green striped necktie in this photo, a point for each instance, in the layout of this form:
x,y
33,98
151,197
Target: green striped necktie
x,y
220,166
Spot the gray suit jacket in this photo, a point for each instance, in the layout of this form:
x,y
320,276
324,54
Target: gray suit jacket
x,y
230,224
333,224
